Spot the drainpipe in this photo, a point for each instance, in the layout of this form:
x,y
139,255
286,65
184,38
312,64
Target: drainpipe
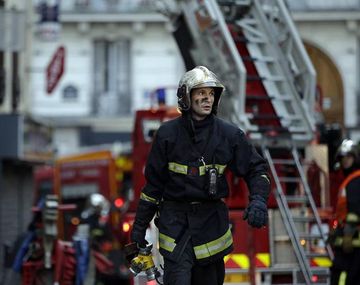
x,y
2,67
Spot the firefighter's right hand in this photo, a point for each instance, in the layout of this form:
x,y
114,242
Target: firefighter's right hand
x,y
131,250
144,214
138,236
256,213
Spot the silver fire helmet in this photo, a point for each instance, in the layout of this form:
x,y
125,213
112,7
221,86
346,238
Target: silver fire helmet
x,y
198,77
347,147
96,204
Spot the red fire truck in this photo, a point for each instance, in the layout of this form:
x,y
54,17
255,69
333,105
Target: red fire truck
x,y
62,196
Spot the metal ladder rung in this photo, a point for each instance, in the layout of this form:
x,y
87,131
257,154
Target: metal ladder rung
x,y
268,97
263,129
250,77
275,78
242,39
300,219
264,117
316,254
258,97
322,271
267,59
284,161
273,116
298,199
248,58
308,236
281,238
281,130
234,2
290,179
256,40
249,21
282,98
293,117
297,129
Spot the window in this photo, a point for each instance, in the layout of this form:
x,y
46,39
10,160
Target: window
x,y
112,78
149,128
83,190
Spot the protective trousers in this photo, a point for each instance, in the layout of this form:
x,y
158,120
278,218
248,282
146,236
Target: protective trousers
x,y
346,262
185,271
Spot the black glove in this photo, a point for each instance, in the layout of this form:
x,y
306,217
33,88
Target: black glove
x,y
256,213
144,214
131,250
138,236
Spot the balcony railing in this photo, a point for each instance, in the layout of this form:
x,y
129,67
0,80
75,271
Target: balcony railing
x,y
323,5
148,6
108,6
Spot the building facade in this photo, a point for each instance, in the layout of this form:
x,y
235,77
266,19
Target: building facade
x,y
22,140
330,30
115,55
73,73
118,52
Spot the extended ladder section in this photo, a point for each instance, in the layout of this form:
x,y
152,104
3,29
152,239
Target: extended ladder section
x,y
299,215
280,78
256,51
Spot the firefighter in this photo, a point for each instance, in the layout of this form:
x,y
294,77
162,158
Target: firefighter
x,y
96,215
186,184
95,219
346,238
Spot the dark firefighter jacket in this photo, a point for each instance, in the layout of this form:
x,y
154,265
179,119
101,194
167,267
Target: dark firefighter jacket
x,y
348,212
176,176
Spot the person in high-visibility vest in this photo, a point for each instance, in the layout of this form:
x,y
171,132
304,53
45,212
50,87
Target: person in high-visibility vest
x,y
346,239
186,183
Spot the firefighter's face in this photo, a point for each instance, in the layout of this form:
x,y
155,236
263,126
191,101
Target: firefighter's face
x,y
202,100
347,161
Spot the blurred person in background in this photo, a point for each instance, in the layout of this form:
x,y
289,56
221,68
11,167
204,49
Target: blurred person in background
x,y
346,237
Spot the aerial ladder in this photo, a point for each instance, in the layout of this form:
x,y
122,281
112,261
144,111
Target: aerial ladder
x,y
254,48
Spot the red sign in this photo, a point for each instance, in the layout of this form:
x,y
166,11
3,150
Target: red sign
x,y
55,69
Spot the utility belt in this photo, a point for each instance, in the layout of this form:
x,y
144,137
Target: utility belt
x,y
347,236
352,218
190,206
174,234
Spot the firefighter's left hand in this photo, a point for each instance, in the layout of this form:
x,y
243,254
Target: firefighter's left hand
x,y
256,213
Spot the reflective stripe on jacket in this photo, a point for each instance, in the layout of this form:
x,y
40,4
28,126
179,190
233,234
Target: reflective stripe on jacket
x,y
205,224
